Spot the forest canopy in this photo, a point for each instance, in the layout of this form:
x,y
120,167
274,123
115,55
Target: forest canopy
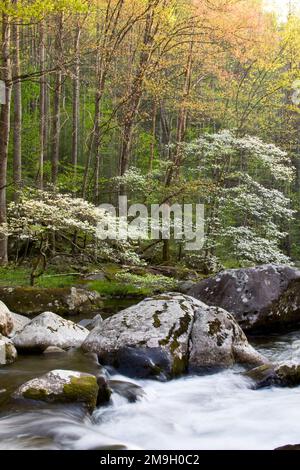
x,y
186,101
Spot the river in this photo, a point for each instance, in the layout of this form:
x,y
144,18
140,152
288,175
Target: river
x,y
218,411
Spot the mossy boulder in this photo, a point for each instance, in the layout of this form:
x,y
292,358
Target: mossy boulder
x,y
164,336
49,329
8,352
32,301
262,298
217,341
282,375
150,339
61,386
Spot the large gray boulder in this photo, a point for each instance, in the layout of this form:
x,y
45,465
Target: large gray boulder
x,y
49,329
218,341
8,352
148,339
163,336
265,297
61,386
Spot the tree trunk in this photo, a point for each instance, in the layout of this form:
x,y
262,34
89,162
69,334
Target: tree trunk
x,y
76,101
136,91
17,119
57,102
181,120
152,148
43,126
5,129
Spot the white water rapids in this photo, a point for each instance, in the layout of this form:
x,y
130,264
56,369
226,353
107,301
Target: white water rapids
x,y
217,411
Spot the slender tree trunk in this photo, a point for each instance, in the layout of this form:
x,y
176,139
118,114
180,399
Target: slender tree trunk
x,y
136,91
17,119
152,148
57,102
43,126
181,120
76,101
5,129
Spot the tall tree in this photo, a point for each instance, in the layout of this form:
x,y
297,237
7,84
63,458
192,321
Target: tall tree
x,y
17,101
5,126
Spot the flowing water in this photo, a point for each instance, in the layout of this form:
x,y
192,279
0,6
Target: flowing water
x,y
218,411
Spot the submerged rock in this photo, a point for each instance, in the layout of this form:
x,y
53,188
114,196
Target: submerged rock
x,y
8,352
49,329
91,323
54,350
265,297
128,390
63,301
61,386
289,447
104,391
6,321
218,341
149,339
163,336
282,375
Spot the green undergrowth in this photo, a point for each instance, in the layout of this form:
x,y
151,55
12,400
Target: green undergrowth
x,y
118,283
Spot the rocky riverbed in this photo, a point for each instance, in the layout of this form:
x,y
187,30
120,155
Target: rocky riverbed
x,y
169,372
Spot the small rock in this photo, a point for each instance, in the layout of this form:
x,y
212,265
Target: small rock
x,y
281,375
49,329
128,390
6,322
54,350
90,324
61,386
104,392
8,352
289,447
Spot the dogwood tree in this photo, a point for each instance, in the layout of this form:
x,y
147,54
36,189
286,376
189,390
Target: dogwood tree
x,y
247,209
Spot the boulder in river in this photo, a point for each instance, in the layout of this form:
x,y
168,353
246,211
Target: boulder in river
x,y
148,339
162,336
282,375
31,301
49,329
61,386
265,297
8,352
217,341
